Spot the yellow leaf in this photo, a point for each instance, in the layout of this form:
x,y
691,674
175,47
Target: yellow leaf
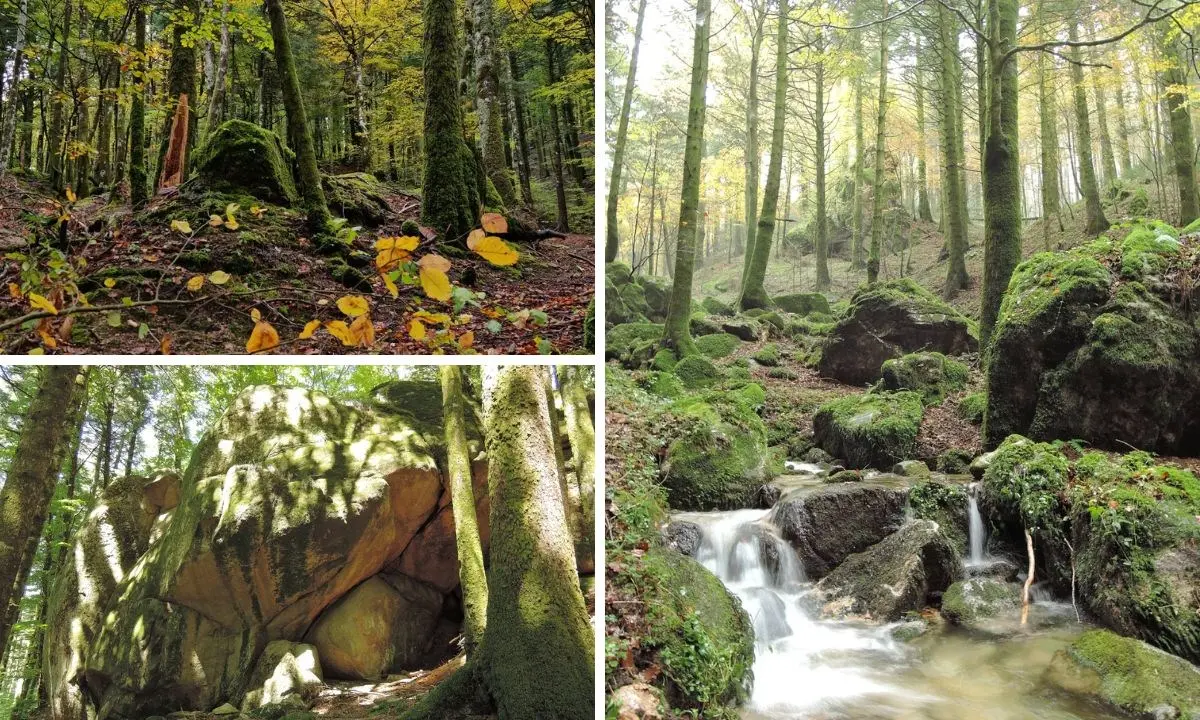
x,y
42,303
495,251
393,250
433,261
466,340
363,331
220,277
416,330
195,283
230,221
231,224
215,220
181,226
353,305
48,339
262,338
165,345
14,290
255,314
70,195
494,223
435,283
37,351
439,318
110,282
390,285
256,211
474,237
341,331
309,329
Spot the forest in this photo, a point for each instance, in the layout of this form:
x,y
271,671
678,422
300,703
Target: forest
x,y
176,175
902,331
297,542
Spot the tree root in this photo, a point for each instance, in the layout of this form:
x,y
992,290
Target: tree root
x,y
458,694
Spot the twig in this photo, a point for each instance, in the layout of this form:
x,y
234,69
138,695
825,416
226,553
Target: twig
x,y
79,309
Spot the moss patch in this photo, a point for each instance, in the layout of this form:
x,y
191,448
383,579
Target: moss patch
x,y
243,156
870,430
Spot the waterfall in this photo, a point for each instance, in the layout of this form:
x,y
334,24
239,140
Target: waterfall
x,y
800,663
977,534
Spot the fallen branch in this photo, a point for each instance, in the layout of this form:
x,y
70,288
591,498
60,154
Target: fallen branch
x,y
80,309
1028,578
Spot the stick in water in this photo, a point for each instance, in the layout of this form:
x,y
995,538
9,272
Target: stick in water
x,y
1028,579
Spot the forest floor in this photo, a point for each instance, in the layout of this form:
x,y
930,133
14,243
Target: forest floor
x,y
120,282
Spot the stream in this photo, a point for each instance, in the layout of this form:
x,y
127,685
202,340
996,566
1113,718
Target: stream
x,y
809,667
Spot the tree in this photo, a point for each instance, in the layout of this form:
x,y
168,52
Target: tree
x,y
822,245
676,331
1089,186
754,293
462,503
752,155
952,155
8,113
858,259
873,257
923,210
1175,87
612,241
29,484
573,386
1048,115
445,204
487,100
139,190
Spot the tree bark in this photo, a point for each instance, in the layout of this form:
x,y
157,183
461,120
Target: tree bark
x,y
55,140
29,485
214,116
1048,115
873,256
518,102
487,100
1089,186
1174,81
753,158
8,122
857,256
754,292
611,239
956,208
676,331
181,80
822,245
581,433
139,189
560,182
923,210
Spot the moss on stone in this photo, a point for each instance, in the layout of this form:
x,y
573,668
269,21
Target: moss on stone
x,y
721,460
1026,479
1128,674
696,371
954,461
664,359
930,373
718,345
967,601
358,197
701,324
946,504
631,343
717,307
870,430
243,156
973,408
803,303
767,355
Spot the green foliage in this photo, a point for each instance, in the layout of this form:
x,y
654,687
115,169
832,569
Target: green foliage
x,y
1028,478
871,429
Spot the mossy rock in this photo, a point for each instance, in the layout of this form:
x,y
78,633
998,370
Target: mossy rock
x,y
633,344
717,307
767,355
803,303
889,320
703,639
619,272
242,156
718,345
969,601
1023,481
781,373
973,408
775,323
745,328
696,371
946,504
954,461
701,324
358,197
930,373
589,325
870,430
1127,674
808,326
657,294
663,384
720,462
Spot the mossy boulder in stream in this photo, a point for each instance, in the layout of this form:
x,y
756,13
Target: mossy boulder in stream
x,y
1128,674
889,320
358,197
930,373
968,601
241,156
703,638
1098,344
869,430
900,574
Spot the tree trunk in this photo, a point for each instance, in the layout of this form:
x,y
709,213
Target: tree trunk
x,y
955,210
1048,114
1107,156
139,188
753,157
487,100
471,572
611,240
55,136
676,331
873,256
445,202
1089,186
29,485
857,256
8,115
308,177
181,80
923,210
214,116
822,245
518,102
572,384
560,182
754,292
536,615
1123,158
1174,81
1002,168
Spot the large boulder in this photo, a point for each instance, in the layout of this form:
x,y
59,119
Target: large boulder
x,y
286,672
241,156
358,197
289,502
384,624
828,523
803,303
875,429
900,574
930,373
1098,344
1127,674
889,320
657,294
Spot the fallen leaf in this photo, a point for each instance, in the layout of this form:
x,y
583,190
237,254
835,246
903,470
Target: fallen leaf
x,y
363,331
466,340
113,319
110,282
14,290
353,305
64,330
48,339
474,237
255,314
220,277
195,283
340,330
310,328
215,220
70,195
181,226
494,223
433,261
230,221
416,329
391,285
496,251
165,345
42,303
257,211
392,251
262,338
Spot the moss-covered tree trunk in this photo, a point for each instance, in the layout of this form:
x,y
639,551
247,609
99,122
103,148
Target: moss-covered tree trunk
x,y
215,114
1048,116
676,332
462,502
873,255
1108,157
952,159
1175,88
1088,185
308,180
822,247
139,183
488,103
8,123
573,386
445,204
1002,167
560,181
537,659
1123,158
612,241
857,256
753,158
754,293
923,209
29,483
55,140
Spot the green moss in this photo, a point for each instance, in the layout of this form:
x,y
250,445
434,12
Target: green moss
x,y
718,345
870,430
930,373
803,303
1146,252
1027,479
701,324
767,355
632,343
954,461
696,371
721,459
973,408
781,373
664,384
242,156
966,601
358,197
410,228
945,503
716,307
809,326
664,359
619,272
1128,674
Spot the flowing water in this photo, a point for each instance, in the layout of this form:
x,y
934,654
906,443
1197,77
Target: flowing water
x,y
807,667
977,534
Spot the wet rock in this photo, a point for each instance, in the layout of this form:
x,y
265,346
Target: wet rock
x,y
842,476
888,321
657,294
898,575
968,601
910,468
817,456
683,537
828,524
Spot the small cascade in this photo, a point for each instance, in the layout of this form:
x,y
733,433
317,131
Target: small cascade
x,y
976,532
802,468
